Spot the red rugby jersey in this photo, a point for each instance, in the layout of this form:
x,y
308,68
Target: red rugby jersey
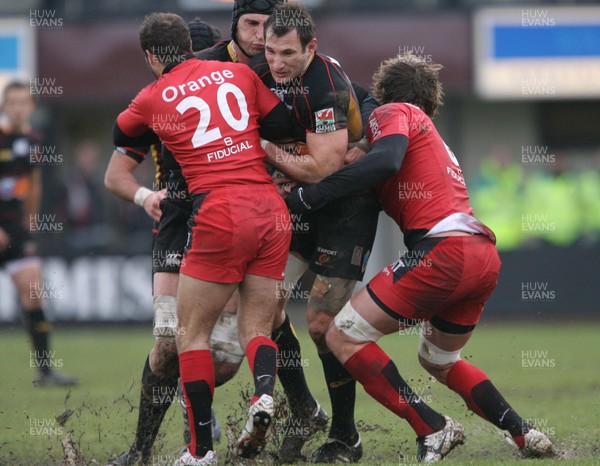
x,y
429,189
206,113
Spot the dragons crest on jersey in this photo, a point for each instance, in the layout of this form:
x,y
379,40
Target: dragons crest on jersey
x,y
325,120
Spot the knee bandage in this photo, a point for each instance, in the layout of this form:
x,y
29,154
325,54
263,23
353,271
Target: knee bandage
x,y
330,294
165,316
224,342
436,355
294,269
355,326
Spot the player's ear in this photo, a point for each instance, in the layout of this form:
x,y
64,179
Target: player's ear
x,y
312,45
149,56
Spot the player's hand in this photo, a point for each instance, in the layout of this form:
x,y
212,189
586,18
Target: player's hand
x,y
356,151
152,204
283,184
353,155
4,240
296,202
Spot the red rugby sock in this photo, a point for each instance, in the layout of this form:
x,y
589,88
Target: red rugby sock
x,y
380,378
198,380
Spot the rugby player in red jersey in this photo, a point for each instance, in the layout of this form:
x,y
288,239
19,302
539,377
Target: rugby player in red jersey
x,y
238,233
170,206
20,193
247,32
443,281
336,242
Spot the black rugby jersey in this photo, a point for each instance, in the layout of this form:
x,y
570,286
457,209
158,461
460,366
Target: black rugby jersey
x,y
19,154
321,100
221,51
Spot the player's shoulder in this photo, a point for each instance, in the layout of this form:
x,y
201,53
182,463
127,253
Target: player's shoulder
x,y
396,108
239,69
327,68
148,91
259,65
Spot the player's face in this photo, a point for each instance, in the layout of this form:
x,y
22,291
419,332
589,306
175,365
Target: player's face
x,y
286,57
251,33
18,106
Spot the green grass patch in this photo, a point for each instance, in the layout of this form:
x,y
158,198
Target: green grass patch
x,y
547,372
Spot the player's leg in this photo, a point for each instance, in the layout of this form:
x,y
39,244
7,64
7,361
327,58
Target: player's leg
x,y
161,368
234,235
227,354
327,297
197,315
307,417
347,230
447,333
258,305
26,274
352,338
224,344
158,387
291,372
423,282
439,354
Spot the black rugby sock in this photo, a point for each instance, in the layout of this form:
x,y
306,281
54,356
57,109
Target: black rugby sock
x,y
38,328
497,410
156,395
262,359
291,371
200,396
342,392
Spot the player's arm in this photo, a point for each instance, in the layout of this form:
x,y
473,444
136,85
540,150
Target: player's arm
x,y
384,160
326,153
122,138
275,125
119,180
273,117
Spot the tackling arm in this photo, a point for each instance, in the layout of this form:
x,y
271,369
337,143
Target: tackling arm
x,y
384,160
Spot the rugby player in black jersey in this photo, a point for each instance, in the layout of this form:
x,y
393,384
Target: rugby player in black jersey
x,y
20,193
337,242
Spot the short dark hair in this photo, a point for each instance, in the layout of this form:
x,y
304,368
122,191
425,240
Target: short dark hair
x,y
14,85
167,36
287,17
407,78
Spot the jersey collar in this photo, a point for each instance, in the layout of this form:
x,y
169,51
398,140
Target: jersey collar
x,y
172,65
232,52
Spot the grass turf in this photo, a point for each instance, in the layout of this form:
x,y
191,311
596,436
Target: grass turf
x,y
547,372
